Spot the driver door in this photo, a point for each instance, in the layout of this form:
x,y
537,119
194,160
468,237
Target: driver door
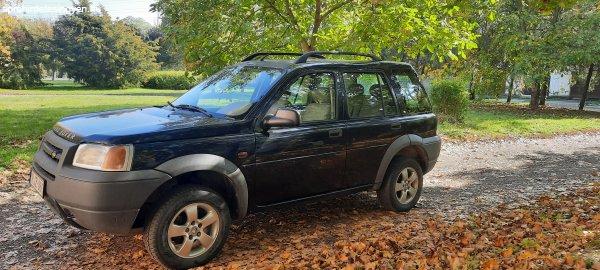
x,y
307,160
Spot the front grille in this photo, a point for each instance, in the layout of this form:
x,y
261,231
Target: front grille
x,y
51,150
43,173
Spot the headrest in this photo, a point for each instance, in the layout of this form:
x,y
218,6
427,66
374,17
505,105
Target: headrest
x,y
375,90
319,95
356,89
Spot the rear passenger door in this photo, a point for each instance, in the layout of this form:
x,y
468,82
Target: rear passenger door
x,y
372,123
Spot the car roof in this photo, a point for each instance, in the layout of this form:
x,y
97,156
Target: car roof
x,y
291,65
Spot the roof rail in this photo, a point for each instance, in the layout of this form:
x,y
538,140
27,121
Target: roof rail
x,y
304,57
265,54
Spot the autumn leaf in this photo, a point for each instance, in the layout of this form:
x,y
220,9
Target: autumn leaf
x,y
507,252
525,255
491,264
286,255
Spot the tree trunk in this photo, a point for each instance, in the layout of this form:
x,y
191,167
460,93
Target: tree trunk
x,y
586,87
544,92
534,103
306,46
510,88
471,90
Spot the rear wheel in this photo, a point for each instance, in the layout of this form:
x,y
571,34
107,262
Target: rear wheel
x,y
188,229
402,185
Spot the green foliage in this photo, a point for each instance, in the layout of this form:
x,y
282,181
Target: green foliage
x,y
26,49
232,29
169,79
101,53
490,82
140,26
450,99
530,39
577,38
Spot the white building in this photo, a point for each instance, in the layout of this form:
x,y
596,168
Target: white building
x,y
560,84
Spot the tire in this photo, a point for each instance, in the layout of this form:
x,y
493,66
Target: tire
x,y
394,187
172,232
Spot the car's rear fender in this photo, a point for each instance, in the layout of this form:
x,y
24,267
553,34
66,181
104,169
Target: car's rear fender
x,y
425,150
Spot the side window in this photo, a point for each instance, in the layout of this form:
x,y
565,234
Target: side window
x,y
312,96
368,95
412,97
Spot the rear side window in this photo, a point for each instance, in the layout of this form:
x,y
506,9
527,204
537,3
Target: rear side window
x,y
368,95
411,97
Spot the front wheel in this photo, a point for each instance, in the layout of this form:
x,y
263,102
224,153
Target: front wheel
x,y
188,229
402,185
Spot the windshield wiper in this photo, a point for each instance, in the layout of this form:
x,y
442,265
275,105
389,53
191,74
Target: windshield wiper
x,y
190,108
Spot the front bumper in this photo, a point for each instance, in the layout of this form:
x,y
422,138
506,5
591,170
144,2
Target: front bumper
x,y
100,201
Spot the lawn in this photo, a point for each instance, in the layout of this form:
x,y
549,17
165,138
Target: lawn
x,y
26,114
499,121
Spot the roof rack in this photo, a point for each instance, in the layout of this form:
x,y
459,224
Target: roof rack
x,y
304,57
265,54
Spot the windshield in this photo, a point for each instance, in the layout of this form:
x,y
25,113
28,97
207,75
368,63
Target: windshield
x,y
232,91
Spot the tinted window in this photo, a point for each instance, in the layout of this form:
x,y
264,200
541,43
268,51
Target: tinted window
x,y
368,95
312,96
412,97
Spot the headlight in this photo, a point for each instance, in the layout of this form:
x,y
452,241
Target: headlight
x,y
103,157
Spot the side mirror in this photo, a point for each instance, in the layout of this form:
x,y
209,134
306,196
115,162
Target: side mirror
x,y
282,118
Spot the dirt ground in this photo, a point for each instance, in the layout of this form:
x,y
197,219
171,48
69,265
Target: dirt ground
x,y
470,180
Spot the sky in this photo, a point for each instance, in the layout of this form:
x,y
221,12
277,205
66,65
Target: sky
x,y
52,9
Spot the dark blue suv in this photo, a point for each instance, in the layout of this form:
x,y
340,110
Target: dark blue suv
x,y
255,135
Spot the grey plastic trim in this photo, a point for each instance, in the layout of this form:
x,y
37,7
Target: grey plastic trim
x,y
431,146
397,145
208,162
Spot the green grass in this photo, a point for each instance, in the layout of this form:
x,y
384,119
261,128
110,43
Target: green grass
x,y
26,114
498,122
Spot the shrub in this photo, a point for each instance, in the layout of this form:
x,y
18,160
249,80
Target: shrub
x,y
450,99
170,79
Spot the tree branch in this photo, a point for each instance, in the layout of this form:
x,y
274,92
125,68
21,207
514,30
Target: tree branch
x,y
335,7
277,11
316,23
290,13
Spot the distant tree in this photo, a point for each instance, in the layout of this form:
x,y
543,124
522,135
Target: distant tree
x,y
7,24
141,26
215,33
25,53
154,33
99,52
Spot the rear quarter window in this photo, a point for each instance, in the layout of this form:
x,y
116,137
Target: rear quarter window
x,y
410,95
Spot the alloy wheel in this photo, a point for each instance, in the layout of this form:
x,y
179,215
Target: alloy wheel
x,y
193,230
407,185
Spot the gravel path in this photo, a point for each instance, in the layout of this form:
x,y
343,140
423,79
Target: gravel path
x,y
469,178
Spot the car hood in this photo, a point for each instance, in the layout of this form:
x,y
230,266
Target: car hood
x,y
137,125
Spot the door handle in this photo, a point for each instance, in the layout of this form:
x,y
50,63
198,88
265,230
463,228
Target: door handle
x,y
334,133
396,126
